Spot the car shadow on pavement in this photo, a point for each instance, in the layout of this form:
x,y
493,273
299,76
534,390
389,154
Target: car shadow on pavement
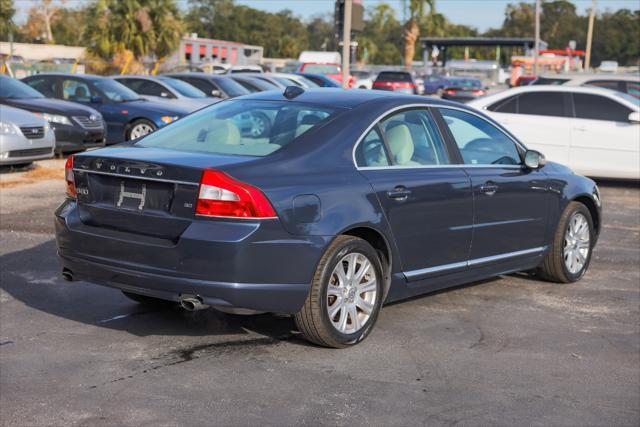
x,y
32,276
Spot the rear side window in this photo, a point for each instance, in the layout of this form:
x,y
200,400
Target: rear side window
x,y
480,142
76,90
371,152
542,104
240,127
509,105
595,107
389,76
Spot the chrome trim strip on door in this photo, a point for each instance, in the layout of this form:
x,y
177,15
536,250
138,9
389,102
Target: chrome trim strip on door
x,y
456,265
430,105
119,175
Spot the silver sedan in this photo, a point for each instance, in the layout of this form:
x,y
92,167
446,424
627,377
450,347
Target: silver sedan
x,y
24,137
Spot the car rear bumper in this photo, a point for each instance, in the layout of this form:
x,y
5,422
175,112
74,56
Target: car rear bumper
x,y
257,266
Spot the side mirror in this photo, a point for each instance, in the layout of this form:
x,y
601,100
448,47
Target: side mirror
x,y
96,99
534,159
216,93
164,94
634,117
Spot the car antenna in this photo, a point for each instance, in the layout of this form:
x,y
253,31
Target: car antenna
x,y
293,91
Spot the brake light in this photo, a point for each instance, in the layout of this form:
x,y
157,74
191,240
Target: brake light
x,y
450,91
222,196
68,177
478,91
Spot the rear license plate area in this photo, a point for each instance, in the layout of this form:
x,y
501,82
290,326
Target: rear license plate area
x,y
133,195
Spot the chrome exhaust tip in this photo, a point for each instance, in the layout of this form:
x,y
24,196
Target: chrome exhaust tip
x,y
67,275
192,303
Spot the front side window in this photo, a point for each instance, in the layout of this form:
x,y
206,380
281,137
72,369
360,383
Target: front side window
x,y
230,128
509,105
480,142
76,90
542,104
45,86
595,107
183,88
633,89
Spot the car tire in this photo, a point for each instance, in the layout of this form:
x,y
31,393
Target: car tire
x,y
144,299
350,324
139,128
569,256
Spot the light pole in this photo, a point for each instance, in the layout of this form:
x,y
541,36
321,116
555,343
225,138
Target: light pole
x,y
536,48
346,43
587,55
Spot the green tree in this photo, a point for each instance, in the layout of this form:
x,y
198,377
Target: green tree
x,y
412,28
70,26
7,11
144,27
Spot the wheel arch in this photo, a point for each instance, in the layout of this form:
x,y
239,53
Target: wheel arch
x,y
380,243
127,126
593,210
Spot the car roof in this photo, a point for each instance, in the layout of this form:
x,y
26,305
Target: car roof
x,y
199,75
350,98
490,99
583,77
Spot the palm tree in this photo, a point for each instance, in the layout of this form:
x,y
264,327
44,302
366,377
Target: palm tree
x,y
412,28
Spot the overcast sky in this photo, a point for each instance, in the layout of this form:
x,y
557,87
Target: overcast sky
x,y
482,14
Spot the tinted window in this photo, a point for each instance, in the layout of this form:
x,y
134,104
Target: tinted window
x,y
231,87
413,139
45,86
228,128
542,104
394,76
183,88
12,88
371,151
597,107
204,85
321,69
76,90
509,105
480,142
607,84
115,91
549,81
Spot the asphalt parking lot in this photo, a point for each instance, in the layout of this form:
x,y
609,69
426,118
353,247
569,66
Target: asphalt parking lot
x,y
509,351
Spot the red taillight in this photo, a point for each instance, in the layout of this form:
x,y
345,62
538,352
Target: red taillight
x,y
68,176
220,195
450,91
478,91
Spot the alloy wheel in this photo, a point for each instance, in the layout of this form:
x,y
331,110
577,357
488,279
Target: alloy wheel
x,y
141,129
351,293
577,243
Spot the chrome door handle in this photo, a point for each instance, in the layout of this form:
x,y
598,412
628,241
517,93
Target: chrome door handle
x,y
399,193
489,189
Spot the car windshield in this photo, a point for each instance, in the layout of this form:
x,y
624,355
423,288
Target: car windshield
x,y
239,127
115,91
322,68
392,76
12,88
231,87
183,88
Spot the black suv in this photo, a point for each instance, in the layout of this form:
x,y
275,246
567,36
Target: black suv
x,y
76,127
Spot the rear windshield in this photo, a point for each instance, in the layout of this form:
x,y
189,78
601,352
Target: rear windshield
x,y
239,127
464,83
394,76
322,69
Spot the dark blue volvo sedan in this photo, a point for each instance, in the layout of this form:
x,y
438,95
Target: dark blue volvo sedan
x,y
351,200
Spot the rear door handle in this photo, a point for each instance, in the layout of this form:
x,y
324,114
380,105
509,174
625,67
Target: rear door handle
x,y
489,189
399,193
